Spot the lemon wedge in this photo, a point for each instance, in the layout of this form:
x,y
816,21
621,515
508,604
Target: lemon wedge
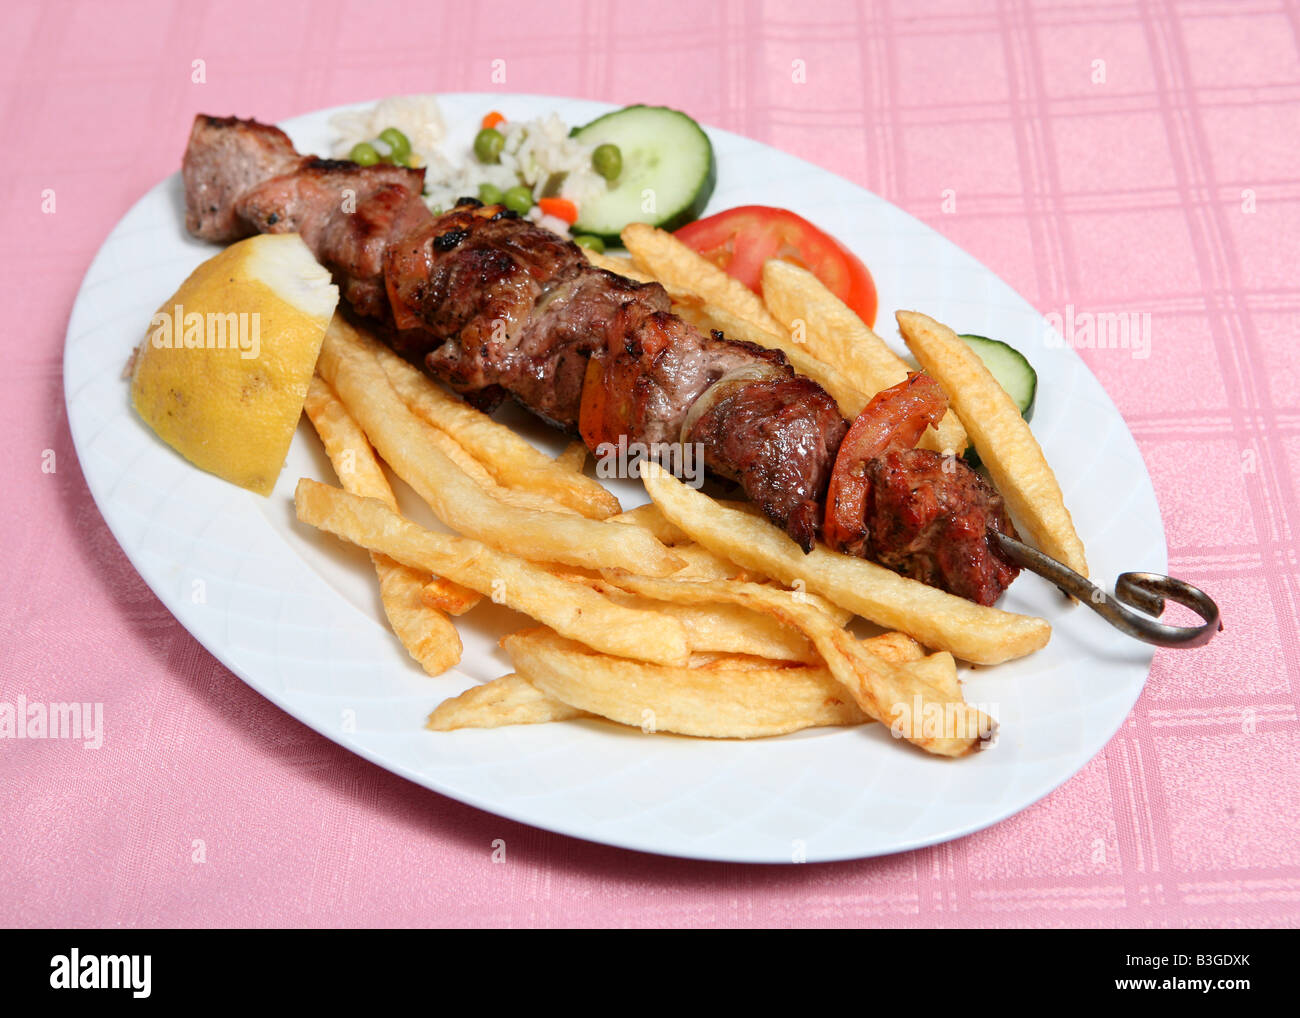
x,y
222,373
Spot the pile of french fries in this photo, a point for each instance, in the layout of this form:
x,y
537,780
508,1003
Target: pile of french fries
x,y
687,615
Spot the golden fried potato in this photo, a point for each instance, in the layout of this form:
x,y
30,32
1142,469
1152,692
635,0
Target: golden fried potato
x,y
683,272
509,700
511,461
833,333
426,633
402,439
574,457
445,596
720,700
886,692
620,264
513,700
939,620
1001,436
572,609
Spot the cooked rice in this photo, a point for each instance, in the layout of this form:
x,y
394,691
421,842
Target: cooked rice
x,y
538,153
416,116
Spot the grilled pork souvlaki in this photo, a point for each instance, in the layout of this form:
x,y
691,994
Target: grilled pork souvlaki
x,y
496,306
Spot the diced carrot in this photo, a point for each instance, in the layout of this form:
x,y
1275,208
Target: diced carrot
x,y
560,208
493,118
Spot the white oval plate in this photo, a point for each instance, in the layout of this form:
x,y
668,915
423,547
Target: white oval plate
x,y
296,615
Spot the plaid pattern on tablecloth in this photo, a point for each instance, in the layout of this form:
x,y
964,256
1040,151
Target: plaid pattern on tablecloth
x,y
1105,157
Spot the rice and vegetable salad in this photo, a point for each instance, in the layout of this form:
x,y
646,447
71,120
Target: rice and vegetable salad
x,y
531,166
584,183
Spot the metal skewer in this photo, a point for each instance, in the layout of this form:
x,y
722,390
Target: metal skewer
x,y
1144,591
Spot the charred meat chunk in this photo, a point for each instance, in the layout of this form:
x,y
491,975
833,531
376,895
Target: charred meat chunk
x,y
778,438
929,518
226,158
346,214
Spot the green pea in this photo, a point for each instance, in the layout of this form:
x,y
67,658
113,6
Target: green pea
x,y
394,159
518,199
607,161
488,144
490,194
591,243
364,154
399,143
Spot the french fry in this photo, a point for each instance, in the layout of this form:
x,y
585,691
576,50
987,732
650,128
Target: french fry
x,y
620,264
511,461
834,614
571,609
835,335
718,628
574,457
509,700
937,670
446,596
1003,440
708,317
939,620
683,272
703,564
346,445
513,700
427,634
735,629
474,469
902,649
402,440
699,562
891,694
651,518
720,700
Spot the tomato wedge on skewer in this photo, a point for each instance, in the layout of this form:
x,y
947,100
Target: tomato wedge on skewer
x,y
740,240
895,418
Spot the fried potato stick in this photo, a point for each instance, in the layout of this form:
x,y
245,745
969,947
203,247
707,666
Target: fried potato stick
x,y
620,264
1001,436
574,457
427,634
938,619
683,271
887,693
509,700
833,333
512,699
510,460
722,699
572,609
402,439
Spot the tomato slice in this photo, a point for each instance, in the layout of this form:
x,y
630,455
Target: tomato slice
x,y
740,240
895,418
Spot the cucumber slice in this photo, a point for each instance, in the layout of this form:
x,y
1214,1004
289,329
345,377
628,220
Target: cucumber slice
x,y
1013,372
1009,367
668,165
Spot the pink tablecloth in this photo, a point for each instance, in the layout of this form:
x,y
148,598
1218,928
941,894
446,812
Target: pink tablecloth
x,y
1115,157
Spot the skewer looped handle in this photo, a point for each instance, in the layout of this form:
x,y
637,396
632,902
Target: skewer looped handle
x,y
1144,591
